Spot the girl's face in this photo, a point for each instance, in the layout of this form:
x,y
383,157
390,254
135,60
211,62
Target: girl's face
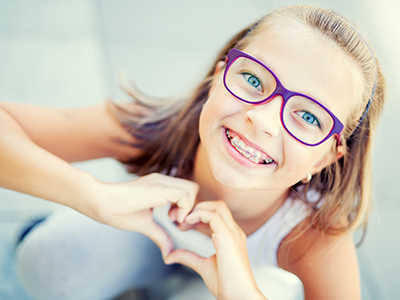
x,y
304,62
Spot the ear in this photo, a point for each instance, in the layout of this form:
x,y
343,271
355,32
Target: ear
x,y
219,67
328,159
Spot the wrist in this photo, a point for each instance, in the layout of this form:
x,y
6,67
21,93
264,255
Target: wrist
x,y
83,195
252,291
259,296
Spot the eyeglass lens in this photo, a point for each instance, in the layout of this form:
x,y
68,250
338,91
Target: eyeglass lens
x,y
303,118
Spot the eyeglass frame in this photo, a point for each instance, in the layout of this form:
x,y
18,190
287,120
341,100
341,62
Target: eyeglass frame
x,y
286,94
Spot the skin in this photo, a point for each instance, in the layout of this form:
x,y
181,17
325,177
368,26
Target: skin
x,y
225,198
35,160
303,63
219,175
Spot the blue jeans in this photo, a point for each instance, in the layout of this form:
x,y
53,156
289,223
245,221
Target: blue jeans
x,y
70,256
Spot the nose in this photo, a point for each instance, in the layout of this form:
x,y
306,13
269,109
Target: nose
x,y
266,117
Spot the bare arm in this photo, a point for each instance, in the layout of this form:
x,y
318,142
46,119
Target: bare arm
x,y
28,168
73,134
326,264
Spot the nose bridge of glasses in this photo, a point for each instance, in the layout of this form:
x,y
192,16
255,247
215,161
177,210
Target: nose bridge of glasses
x,y
283,92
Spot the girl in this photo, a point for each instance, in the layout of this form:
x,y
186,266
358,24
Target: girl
x,y
266,170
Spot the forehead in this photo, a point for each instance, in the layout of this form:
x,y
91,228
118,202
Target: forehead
x,y
308,63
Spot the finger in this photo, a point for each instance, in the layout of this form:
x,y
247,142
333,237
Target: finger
x,y
182,226
230,245
182,211
159,196
190,186
220,208
186,258
185,226
172,213
186,202
160,237
213,219
183,206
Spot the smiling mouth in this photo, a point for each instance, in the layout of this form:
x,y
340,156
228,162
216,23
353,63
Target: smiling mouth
x,y
254,155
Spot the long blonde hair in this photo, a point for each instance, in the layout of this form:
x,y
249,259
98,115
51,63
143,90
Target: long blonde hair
x,y
168,130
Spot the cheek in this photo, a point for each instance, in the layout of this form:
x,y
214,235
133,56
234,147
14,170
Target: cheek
x,y
206,116
214,110
300,159
222,104
209,121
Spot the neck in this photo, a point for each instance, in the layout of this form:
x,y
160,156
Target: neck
x,y
244,204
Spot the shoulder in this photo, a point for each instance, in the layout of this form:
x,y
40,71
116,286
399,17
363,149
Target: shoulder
x,y
326,264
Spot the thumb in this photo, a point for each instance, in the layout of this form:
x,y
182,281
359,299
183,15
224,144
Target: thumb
x,y
187,258
160,237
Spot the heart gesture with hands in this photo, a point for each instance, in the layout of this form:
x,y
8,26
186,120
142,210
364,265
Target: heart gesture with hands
x,y
227,274
132,204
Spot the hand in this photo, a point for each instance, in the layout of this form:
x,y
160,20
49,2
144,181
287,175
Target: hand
x,y
128,205
227,274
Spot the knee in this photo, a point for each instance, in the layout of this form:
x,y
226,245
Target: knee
x,y
51,270
74,257
39,272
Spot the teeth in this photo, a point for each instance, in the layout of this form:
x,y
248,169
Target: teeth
x,y
235,141
250,153
241,145
256,155
253,160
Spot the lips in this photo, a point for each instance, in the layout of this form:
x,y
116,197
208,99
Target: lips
x,y
247,150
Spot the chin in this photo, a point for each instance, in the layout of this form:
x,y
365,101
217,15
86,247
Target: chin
x,y
232,181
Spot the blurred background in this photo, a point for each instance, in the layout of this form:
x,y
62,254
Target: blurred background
x,y
71,53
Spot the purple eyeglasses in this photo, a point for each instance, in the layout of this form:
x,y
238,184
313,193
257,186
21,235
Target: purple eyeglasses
x,y
303,117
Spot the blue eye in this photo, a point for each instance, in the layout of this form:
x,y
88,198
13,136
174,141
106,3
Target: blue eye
x,y
253,80
309,118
